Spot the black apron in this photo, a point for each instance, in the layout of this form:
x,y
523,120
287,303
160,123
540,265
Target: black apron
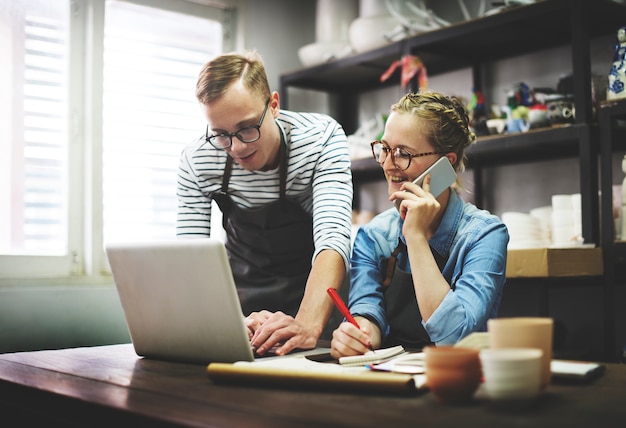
x,y
269,248
401,309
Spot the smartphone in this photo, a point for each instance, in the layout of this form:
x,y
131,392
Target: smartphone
x,y
442,176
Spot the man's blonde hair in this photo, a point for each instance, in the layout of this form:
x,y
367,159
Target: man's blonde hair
x,y
221,72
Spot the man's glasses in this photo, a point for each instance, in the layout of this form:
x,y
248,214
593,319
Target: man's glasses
x,y
399,156
249,134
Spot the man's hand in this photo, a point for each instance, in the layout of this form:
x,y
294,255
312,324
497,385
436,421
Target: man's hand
x,y
279,331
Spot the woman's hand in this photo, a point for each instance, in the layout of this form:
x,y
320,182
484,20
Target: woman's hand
x,y
350,340
419,208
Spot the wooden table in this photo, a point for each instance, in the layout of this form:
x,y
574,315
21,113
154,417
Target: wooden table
x,y
110,385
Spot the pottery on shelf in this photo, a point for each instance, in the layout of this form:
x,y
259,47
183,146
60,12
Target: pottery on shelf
x,y
332,25
333,19
371,32
320,52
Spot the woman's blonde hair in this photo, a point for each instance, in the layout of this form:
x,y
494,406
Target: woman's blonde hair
x,y
444,121
221,72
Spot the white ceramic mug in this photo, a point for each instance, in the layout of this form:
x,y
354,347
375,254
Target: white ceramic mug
x,y
512,373
524,332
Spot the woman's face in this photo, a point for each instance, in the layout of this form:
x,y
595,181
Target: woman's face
x,y
404,131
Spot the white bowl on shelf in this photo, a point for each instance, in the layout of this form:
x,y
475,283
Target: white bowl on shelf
x,y
318,53
369,32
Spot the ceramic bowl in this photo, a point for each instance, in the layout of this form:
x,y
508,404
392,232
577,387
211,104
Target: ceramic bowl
x,y
512,373
452,374
369,32
318,53
496,126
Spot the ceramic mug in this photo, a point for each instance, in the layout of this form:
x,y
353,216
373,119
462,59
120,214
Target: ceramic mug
x,y
452,374
524,332
561,108
512,373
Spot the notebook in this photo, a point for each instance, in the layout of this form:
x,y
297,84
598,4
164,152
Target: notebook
x,y
377,356
180,301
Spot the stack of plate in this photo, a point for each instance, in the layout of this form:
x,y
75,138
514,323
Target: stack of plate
x,y
525,231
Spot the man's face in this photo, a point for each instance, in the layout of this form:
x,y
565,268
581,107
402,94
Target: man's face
x,y
239,109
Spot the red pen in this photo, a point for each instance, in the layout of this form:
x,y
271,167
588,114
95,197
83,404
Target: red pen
x,y
342,307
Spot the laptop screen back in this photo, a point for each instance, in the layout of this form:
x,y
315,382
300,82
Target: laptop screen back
x,y
180,301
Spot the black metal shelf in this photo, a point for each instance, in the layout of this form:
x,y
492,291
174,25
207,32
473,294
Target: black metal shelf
x,y
514,32
540,144
511,33
611,115
535,145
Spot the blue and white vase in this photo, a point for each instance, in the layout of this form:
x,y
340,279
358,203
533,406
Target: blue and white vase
x,y
617,77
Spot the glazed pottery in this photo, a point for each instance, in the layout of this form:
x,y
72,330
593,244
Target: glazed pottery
x,y
320,52
371,32
333,19
561,108
512,373
452,374
524,332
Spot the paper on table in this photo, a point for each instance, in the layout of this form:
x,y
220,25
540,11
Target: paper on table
x,y
408,363
300,372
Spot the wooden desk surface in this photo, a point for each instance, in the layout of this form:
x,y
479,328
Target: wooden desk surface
x,y
102,386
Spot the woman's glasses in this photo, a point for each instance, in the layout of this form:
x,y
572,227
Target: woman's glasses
x,y
399,156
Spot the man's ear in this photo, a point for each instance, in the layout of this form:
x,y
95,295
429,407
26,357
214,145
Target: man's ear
x,y
275,104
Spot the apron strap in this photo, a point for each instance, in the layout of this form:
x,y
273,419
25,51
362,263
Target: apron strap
x,y
282,162
228,169
389,265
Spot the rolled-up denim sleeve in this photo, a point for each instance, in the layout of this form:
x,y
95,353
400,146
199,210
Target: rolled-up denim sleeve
x,y
477,285
366,294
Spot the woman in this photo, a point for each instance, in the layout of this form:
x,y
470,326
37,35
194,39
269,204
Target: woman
x,y
431,271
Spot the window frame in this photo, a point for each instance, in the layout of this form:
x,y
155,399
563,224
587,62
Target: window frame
x,y
85,260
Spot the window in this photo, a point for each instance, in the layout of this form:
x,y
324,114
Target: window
x,y
149,112
34,142
101,104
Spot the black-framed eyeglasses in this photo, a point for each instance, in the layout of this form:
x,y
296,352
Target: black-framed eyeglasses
x,y
249,134
400,157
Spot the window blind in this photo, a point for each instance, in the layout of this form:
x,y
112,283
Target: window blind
x,y
152,58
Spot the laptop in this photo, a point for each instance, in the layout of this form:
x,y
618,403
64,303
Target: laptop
x,y
180,301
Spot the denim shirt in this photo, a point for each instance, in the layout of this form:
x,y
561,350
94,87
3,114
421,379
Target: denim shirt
x,y
473,244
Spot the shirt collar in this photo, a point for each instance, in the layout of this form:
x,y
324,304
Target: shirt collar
x,y
442,240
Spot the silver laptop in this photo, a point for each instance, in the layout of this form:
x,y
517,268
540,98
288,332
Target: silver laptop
x,y
180,301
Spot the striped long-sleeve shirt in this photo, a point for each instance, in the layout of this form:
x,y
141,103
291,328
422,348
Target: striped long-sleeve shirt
x,y
318,178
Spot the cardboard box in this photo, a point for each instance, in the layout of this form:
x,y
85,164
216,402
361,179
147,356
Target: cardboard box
x,y
551,262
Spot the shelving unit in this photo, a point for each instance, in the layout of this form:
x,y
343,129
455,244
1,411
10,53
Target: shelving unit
x,y
612,138
472,44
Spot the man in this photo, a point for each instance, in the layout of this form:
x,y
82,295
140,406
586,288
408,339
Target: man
x,y
283,183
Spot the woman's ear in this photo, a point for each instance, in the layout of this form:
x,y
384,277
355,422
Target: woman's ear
x,y
451,157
